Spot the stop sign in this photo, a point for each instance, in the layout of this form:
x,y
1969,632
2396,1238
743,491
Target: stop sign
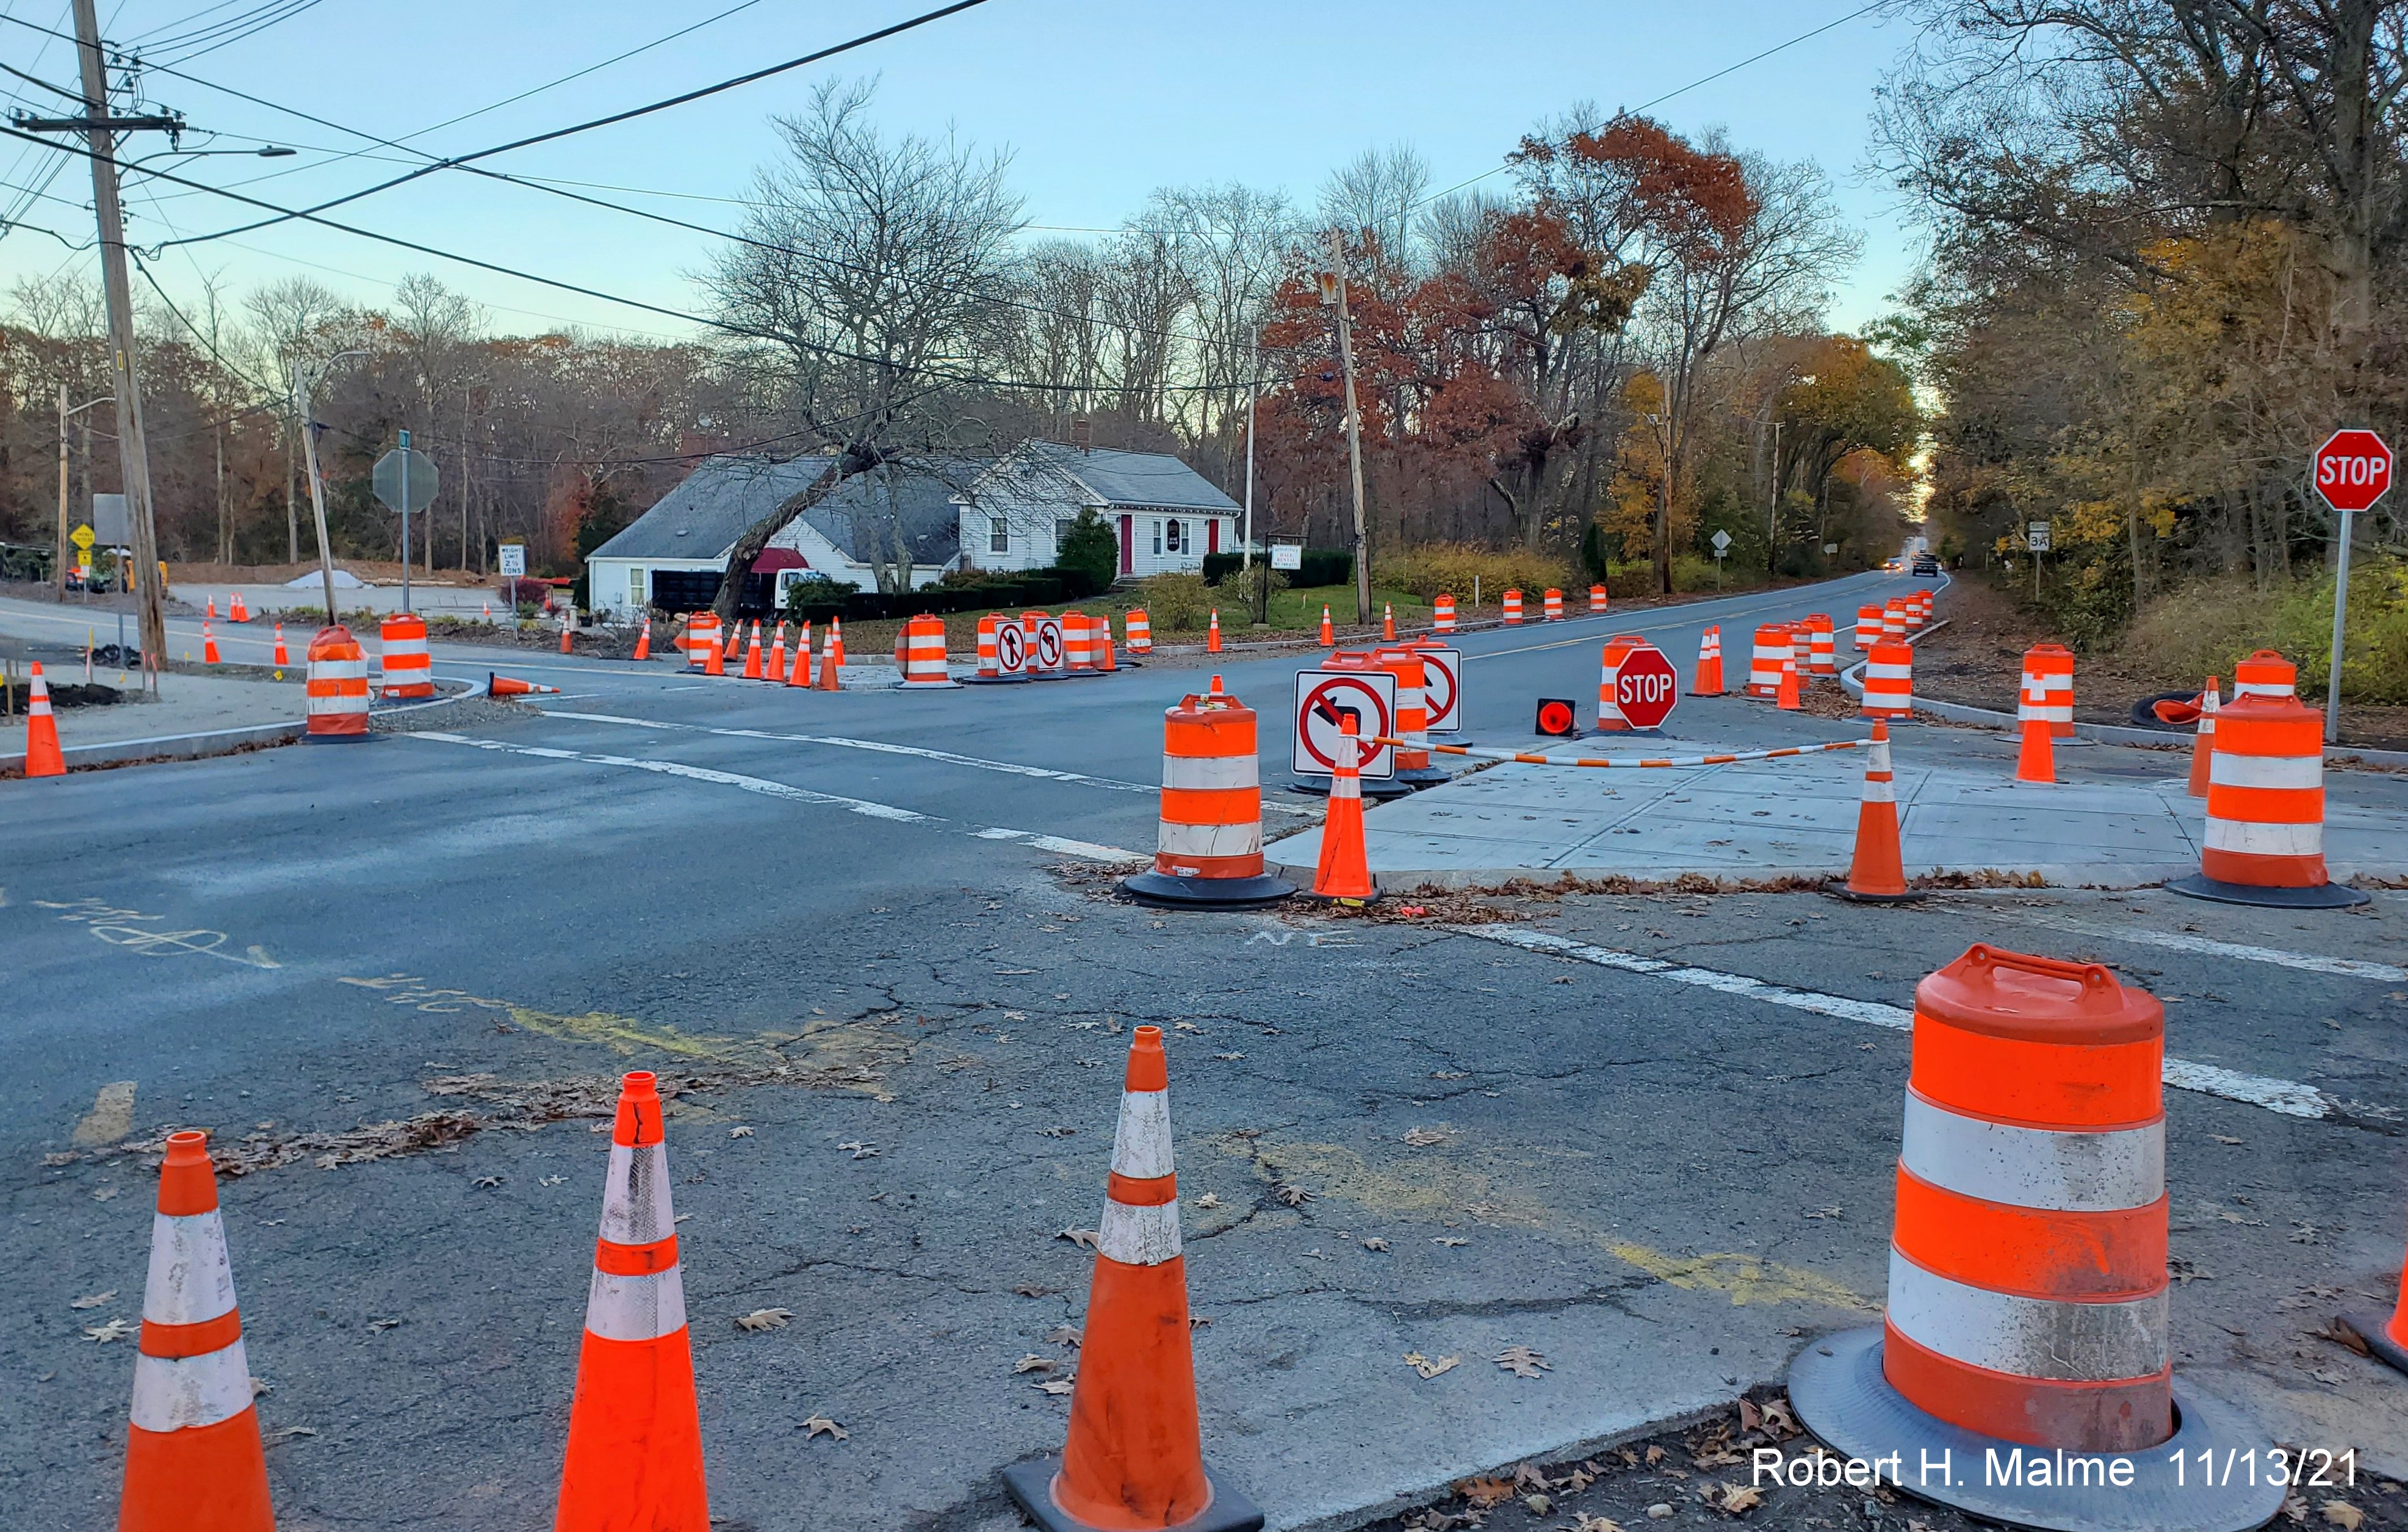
x,y
1646,688
2353,469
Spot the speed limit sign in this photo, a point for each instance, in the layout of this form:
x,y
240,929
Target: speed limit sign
x,y
1010,650
1442,687
1324,700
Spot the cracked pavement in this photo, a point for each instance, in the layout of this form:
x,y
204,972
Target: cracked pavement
x,y
1393,1138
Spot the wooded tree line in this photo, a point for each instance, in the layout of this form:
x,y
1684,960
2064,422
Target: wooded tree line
x,y
1615,348
2168,258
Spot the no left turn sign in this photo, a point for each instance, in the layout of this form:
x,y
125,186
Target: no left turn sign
x,y
1322,699
1442,688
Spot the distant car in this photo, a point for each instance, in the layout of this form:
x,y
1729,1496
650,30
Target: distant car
x,y
1927,566
1894,566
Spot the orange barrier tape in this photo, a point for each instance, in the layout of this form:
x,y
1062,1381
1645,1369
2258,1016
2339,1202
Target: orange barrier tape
x,y
1587,760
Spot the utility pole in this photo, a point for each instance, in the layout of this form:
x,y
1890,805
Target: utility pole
x,y
132,452
1333,293
310,463
59,568
1772,510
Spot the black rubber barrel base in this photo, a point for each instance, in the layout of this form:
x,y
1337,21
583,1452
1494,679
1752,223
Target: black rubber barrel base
x,y
1384,789
1844,1401
1169,892
2323,896
1030,1486
2369,1329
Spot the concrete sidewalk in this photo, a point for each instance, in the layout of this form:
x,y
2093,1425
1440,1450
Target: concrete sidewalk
x,y
2117,818
199,715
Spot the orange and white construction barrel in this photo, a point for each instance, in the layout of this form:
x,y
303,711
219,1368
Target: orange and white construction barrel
x,y
2265,674
2265,840
1140,634
337,688
2026,1313
1209,852
1597,601
407,671
1772,646
1552,604
1442,615
1823,647
924,656
1869,628
1890,682
2048,689
1514,606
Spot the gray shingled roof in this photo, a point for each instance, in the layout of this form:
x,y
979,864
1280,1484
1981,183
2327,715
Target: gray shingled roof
x,y
702,517
1134,479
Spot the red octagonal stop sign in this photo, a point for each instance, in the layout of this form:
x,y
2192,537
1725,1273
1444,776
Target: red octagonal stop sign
x,y
2353,469
1647,688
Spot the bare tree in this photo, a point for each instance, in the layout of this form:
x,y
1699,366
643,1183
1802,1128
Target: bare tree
x,y
295,319
438,329
877,272
1378,192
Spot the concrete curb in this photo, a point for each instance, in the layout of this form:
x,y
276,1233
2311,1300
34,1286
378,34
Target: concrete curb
x,y
167,747
2102,875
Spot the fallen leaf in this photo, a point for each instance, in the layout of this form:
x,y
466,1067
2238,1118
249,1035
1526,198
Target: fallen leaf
x,y
1030,1290
486,1183
104,1194
1083,1239
1186,1026
1375,1242
1484,1493
1062,1335
1583,1521
1034,1363
2342,1514
739,1133
1778,1418
1540,1505
1750,1417
2295,1510
287,1434
1655,1455
549,1181
63,1157
1429,1368
764,1319
92,1300
1450,1241
1056,1132
116,1329
1738,1501
1422,1137
1295,1197
2226,1139
861,1151
1209,1200
379,1327
820,1425
1522,1362
2341,1332
1229,1057
1056,1385
1824,1212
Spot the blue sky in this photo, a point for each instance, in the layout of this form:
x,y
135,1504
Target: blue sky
x,y
1098,102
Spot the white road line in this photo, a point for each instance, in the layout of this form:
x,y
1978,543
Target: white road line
x,y
2286,1096
2346,967
837,741
864,806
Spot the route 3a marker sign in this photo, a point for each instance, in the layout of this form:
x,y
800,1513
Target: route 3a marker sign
x,y
1322,699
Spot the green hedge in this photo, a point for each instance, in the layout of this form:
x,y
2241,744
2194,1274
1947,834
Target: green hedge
x,y
1029,588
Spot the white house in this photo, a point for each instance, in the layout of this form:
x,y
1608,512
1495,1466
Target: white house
x,y
1167,515
674,555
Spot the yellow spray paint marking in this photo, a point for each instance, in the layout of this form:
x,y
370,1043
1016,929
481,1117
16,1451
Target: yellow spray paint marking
x,y
401,989
111,1117
1430,1184
626,1034
110,924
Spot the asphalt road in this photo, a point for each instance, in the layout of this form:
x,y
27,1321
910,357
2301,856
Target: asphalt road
x,y
1659,1184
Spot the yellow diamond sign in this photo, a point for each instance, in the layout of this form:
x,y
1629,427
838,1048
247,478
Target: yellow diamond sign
x,y
82,536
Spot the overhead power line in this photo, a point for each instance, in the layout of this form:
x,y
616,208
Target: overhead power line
x,y
630,114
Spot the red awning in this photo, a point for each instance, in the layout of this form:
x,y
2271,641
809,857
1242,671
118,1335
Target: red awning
x,y
774,559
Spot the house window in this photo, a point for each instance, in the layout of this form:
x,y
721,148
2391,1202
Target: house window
x,y
1062,526
1158,537
1174,536
998,534
634,587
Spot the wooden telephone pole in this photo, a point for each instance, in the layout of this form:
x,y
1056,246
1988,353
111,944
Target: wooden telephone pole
x,y
1333,293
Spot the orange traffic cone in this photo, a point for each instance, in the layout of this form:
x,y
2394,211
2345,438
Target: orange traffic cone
x,y
2036,762
1388,620
1786,697
511,686
1213,634
777,667
42,757
211,615
1135,1456
2386,1340
237,611
1344,871
802,672
644,640
1328,634
1877,875
1710,665
832,661
735,639
567,631
208,644
193,1461
282,659
634,1431
753,656
2203,745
